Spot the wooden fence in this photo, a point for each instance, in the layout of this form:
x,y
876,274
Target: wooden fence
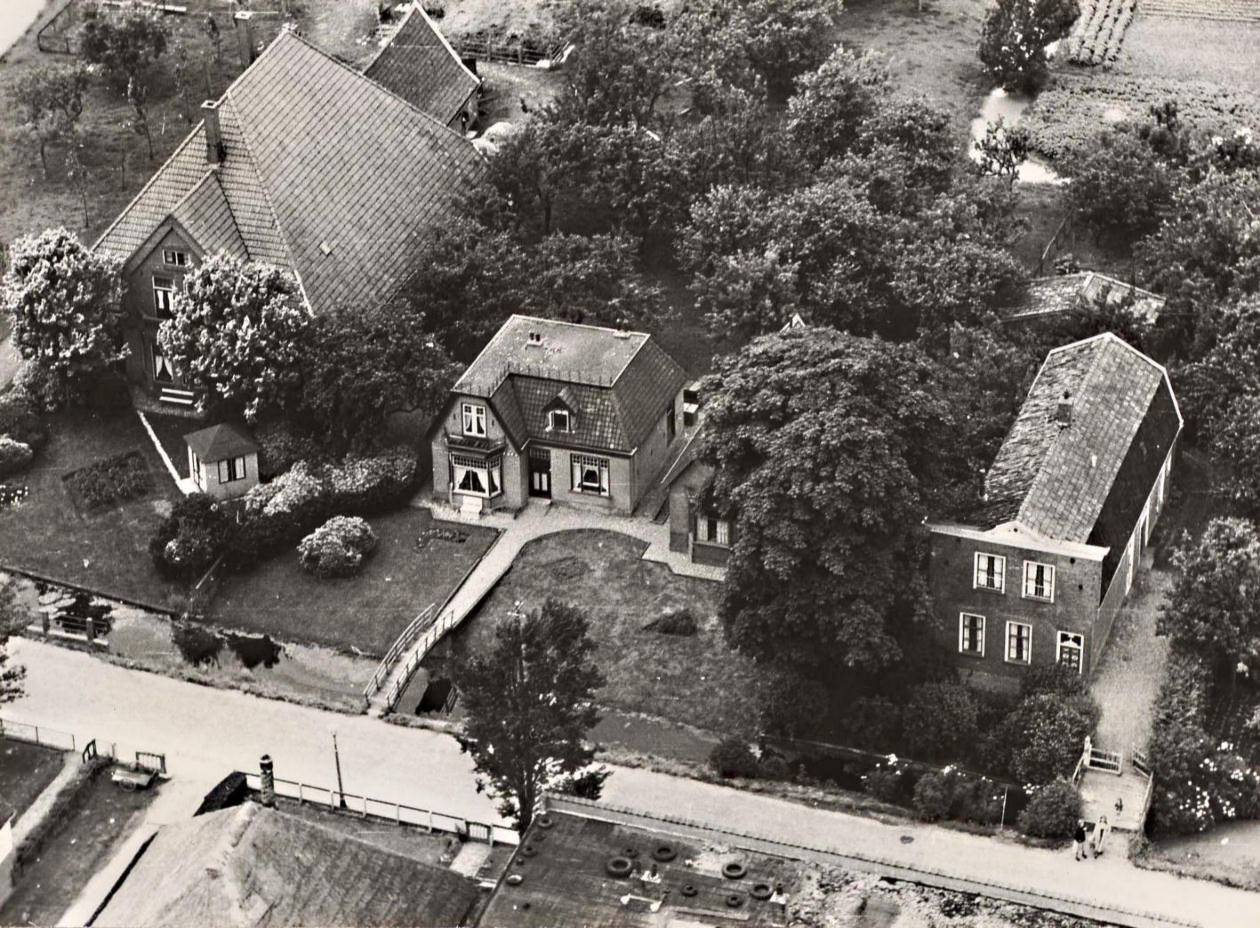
x,y
396,812
54,36
37,734
65,741
507,52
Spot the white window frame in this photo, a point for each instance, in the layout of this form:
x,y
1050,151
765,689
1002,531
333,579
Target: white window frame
x,y
231,470
962,633
163,296
551,420
580,465
1027,658
174,257
196,469
1000,573
720,534
474,420
488,472
1079,647
1030,576
162,368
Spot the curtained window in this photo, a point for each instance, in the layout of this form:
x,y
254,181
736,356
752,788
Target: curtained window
x,y
477,476
590,474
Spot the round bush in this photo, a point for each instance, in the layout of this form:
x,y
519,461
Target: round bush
x,y
940,721
733,758
1053,811
14,455
886,782
20,419
189,539
934,795
337,548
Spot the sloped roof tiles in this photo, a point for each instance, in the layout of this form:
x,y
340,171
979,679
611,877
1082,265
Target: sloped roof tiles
x,y
325,173
1055,478
421,67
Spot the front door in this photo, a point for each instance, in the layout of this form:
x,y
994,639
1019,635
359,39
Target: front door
x,y
540,472
1071,649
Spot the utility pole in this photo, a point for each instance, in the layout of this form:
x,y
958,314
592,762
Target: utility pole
x,y
341,792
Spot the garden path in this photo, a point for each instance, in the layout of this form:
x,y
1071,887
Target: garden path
x,y
208,732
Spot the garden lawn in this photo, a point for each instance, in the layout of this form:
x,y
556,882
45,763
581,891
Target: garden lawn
x,y
25,770
1193,50
95,823
364,613
105,551
695,680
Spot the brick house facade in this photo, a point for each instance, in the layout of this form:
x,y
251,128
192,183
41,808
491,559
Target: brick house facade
x,y
1039,575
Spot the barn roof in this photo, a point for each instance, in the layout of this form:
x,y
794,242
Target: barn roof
x,y
419,65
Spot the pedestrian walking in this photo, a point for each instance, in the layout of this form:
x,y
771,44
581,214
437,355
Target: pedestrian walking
x,y
1101,830
1078,840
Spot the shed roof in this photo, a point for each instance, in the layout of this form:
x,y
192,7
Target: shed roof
x,y
325,173
252,866
1048,296
419,65
1054,477
617,383
220,442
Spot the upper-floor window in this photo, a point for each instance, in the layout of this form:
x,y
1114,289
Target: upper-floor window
x,y
174,257
590,475
558,420
990,572
1039,581
971,634
231,469
163,294
1019,642
475,420
713,531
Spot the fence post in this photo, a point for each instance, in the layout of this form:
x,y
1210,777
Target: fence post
x,y
365,801
397,814
299,794
37,734
430,821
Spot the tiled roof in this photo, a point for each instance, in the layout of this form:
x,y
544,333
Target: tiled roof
x,y
207,217
1056,478
1053,295
617,384
421,67
325,173
219,442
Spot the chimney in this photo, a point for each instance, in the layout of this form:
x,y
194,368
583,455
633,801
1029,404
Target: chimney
x,y
214,136
268,778
1063,412
244,23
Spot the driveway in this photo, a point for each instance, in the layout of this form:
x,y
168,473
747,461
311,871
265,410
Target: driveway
x,y
207,732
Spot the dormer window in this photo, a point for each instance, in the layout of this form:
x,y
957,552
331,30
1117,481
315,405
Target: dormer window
x,y
173,257
558,420
474,416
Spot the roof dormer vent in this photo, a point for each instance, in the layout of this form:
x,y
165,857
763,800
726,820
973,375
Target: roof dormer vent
x,y
534,339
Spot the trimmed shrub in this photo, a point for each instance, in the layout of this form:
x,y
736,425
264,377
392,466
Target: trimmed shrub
x,y
110,482
678,621
888,782
20,419
940,721
337,548
188,540
944,794
733,758
14,455
280,446
1053,810
1052,678
1047,732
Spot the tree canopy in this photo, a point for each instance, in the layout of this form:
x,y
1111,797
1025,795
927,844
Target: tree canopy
x,y
48,101
529,704
64,301
824,446
124,43
11,675
235,335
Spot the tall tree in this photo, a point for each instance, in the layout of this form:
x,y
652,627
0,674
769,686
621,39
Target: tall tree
x,y
832,102
235,334
529,702
64,301
125,44
1014,39
48,101
1214,608
825,446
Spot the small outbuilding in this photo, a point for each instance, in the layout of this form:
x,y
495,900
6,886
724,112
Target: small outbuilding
x,y
223,461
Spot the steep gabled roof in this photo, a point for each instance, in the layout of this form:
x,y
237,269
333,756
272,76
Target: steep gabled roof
x,y
419,65
251,866
325,173
1055,478
617,383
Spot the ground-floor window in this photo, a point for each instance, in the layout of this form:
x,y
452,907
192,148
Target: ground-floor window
x,y
590,474
477,476
971,634
163,372
231,469
1071,648
1018,642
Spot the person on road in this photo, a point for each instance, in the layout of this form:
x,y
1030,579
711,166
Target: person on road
x,y
1101,830
1078,840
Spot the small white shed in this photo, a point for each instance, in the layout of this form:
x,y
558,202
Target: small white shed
x,y
223,461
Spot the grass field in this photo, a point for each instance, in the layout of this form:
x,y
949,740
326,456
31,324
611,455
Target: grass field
x,y
364,613
106,551
692,679
1223,53
95,823
25,769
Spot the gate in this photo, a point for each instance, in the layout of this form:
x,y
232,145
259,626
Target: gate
x,y
150,760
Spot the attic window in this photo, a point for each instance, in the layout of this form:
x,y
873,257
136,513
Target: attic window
x,y
558,420
535,338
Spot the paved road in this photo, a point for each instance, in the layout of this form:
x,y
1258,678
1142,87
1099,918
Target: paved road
x,y
206,732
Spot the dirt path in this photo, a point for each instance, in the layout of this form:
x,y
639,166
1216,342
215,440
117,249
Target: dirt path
x,y
1131,669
